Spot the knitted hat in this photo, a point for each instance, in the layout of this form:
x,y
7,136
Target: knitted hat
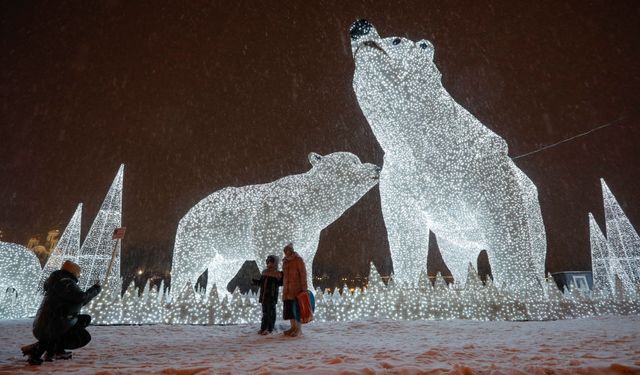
x,y
69,266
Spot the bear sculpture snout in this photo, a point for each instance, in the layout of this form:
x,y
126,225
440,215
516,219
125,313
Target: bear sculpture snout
x,y
363,34
360,28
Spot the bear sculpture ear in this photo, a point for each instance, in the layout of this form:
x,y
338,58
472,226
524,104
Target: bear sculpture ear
x,y
314,158
427,47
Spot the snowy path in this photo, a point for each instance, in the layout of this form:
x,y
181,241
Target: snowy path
x,y
604,345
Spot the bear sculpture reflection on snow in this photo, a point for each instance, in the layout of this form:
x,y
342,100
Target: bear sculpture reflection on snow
x,y
443,169
236,224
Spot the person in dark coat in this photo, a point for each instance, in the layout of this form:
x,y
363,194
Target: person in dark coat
x,y
269,281
58,325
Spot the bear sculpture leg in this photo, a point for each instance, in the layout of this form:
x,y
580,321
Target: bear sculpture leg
x,y
506,227
407,231
457,258
221,272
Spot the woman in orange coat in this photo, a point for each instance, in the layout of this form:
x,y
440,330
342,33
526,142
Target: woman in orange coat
x,y
294,281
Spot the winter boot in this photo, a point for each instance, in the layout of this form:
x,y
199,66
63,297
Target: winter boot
x,y
297,332
296,329
27,349
49,357
34,351
292,329
62,355
34,354
34,361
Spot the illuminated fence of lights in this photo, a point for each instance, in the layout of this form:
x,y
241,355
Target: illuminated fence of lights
x,y
237,224
66,249
474,301
19,273
440,301
443,169
96,250
618,254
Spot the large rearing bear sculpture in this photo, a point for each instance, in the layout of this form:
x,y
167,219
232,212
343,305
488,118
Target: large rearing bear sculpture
x,y
443,169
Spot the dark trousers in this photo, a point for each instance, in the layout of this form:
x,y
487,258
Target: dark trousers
x,y
76,337
268,316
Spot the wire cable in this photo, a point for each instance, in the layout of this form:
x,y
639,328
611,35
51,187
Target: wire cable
x,y
570,138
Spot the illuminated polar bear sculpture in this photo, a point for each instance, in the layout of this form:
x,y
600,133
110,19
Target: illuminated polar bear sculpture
x,y
443,169
19,274
236,224
19,268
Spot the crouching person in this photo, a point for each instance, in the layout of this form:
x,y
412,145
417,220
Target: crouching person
x,y
58,324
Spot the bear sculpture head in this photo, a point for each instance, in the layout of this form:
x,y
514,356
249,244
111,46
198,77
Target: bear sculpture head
x,y
393,63
345,172
394,79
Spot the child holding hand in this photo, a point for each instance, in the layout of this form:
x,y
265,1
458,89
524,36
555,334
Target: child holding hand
x,y
270,281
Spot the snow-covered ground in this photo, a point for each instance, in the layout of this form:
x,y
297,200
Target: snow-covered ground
x,y
602,345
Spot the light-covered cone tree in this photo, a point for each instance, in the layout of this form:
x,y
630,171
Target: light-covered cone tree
x,y
66,249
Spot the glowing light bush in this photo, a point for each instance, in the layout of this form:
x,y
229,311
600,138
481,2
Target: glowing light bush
x,y
443,169
237,224
19,273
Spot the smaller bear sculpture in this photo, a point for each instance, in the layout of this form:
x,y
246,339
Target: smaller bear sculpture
x,y
237,224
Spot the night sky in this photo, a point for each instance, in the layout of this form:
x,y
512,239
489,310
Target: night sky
x,y
194,96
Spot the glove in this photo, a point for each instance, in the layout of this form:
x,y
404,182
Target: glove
x,y
97,287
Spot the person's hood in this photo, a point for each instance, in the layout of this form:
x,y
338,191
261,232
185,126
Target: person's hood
x,y
57,276
291,257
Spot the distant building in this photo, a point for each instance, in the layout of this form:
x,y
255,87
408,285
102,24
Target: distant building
x,y
52,239
33,242
44,250
583,280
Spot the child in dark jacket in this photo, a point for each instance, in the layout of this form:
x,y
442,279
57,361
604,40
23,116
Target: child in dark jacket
x,y
270,282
